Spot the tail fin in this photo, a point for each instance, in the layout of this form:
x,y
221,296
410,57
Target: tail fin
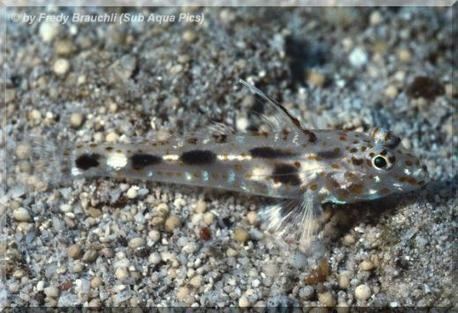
x,y
35,163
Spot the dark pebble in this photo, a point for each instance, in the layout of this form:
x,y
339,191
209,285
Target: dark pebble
x,y
205,233
425,87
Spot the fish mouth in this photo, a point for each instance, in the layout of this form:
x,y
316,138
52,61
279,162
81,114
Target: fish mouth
x,y
418,179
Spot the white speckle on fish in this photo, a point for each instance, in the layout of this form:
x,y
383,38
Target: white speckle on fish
x,y
116,160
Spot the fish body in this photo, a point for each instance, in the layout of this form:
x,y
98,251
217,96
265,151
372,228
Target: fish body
x,y
336,166
305,167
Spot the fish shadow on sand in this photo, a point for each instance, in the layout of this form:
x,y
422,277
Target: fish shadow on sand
x,y
341,219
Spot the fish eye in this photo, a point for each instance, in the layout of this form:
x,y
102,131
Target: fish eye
x,y
380,162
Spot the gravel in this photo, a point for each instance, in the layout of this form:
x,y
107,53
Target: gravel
x,y
126,242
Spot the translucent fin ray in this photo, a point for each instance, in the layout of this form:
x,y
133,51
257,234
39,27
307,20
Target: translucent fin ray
x,y
293,220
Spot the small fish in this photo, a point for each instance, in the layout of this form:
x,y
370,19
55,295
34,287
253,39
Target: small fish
x,y
305,167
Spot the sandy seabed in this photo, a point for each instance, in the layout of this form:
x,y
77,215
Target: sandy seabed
x,y
108,242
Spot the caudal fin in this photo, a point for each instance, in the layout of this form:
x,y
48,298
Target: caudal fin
x,y
35,162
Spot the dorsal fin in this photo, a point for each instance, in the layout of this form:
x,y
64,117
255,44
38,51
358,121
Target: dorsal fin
x,y
293,123
277,123
278,107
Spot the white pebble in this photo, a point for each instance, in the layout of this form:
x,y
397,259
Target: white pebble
x,y
189,36
405,55
270,269
208,218
349,240
81,80
48,31
52,292
189,248
23,151
10,95
121,273
77,267
400,76
344,280
171,223
201,206
112,106
184,295
251,217
73,29
241,123
244,302
227,16
327,299
61,66
65,208
196,281
154,235
342,307
366,265
21,215
176,69
231,252
63,47
82,288
358,57
40,285
132,192
183,58
196,218
449,91
112,137
35,115
76,119
362,292
137,242
391,91
162,135
375,18
154,258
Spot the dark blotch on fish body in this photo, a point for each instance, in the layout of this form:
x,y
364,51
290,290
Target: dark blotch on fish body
x,y
357,162
143,160
269,153
87,160
329,154
311,135
198,157
220,138
286,174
